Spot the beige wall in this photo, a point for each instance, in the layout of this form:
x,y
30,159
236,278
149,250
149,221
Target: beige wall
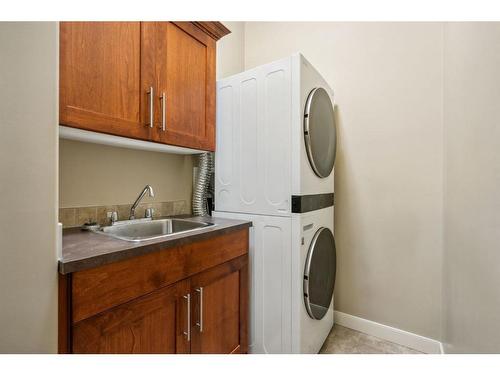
x,y
28,189
387,80
93,175
472,188
230,50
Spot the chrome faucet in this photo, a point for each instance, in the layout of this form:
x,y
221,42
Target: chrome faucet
x,y
149,190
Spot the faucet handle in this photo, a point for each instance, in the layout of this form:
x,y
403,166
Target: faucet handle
x,y
149,213
112,216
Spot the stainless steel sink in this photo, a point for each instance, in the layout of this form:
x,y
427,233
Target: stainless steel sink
x,y
144,230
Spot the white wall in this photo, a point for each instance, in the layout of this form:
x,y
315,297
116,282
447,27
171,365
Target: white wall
x,y
387,79
472,188
28,187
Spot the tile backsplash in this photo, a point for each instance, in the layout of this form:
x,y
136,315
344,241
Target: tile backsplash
x,y
77,216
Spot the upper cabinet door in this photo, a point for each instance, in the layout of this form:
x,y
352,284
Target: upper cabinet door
x,y
185,68
100,78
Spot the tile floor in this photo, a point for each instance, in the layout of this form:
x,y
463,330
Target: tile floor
x,y
342,340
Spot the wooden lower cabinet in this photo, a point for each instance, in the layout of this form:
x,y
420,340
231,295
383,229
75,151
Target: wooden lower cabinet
x,y
151,324
190,299
220,309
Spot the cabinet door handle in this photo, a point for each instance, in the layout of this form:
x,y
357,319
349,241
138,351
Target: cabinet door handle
x,y
151,106
163,99
188,332
200,322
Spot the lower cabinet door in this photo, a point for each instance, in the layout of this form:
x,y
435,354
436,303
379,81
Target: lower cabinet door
x,y
220,308
154,323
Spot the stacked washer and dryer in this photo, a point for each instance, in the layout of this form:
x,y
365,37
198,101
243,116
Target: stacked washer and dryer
x,y
276,144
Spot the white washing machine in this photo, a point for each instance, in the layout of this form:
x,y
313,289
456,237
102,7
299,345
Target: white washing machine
x,y
314,265
274,162
292,267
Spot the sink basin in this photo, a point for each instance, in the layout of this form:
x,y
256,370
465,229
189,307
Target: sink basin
x,y
152,229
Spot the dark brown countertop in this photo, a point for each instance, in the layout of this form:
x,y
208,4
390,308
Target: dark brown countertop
x,y
83,250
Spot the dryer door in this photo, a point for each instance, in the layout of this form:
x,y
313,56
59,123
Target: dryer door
x,y
319,132
319,273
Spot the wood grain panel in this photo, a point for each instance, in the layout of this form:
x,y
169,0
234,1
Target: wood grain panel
x,y
98,289
244,308
107,68
150,324
185,66
224,322
64,314
99,77
148,77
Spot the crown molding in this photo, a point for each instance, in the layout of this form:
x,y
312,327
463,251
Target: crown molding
x,y
213,28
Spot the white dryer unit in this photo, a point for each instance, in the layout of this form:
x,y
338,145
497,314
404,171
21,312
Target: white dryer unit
x,y
276,138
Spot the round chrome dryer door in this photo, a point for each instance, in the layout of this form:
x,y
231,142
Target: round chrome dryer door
x,y
319,273
319,132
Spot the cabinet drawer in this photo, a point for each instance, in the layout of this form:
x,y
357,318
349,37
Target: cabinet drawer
x,y
98,289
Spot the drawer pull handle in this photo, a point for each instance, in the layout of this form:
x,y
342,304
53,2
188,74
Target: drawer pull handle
x,y
163,99
200,322
151,106
188,332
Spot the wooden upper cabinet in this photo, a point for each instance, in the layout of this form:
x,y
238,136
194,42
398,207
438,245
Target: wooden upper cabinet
x,y
188,77
154,324
100,77
117,77
184,59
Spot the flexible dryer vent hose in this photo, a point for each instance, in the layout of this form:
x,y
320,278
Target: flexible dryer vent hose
x,y
205,169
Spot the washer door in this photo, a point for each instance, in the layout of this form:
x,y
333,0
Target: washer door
x,y
319,132
319,273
